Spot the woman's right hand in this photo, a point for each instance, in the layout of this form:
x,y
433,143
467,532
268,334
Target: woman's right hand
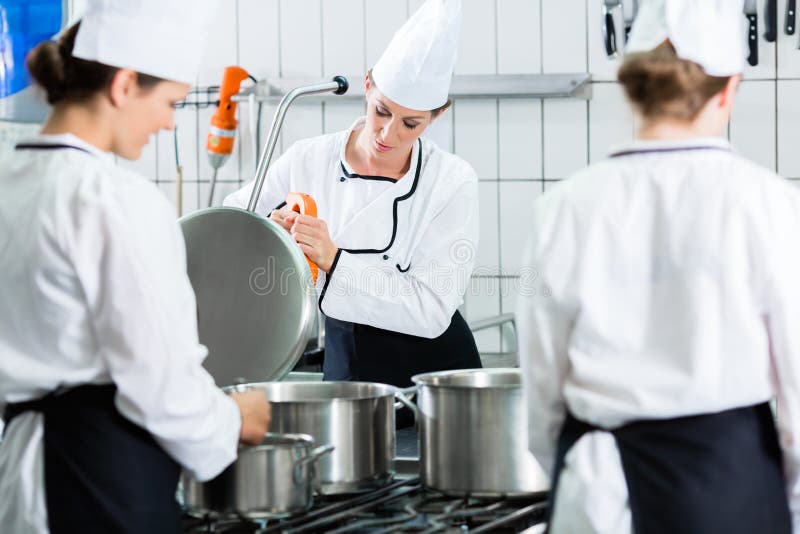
x,y
256,415
285,217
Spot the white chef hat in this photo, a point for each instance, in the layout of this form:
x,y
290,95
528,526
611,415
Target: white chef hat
x,y
709,32
415,69
163,38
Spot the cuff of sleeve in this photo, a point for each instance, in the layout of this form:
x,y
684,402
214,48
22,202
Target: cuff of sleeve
x,y
229,441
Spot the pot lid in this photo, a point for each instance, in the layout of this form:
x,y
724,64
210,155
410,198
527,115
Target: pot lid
x,y
255,298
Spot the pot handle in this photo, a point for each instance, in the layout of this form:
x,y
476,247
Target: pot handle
x,y
312,457
404,397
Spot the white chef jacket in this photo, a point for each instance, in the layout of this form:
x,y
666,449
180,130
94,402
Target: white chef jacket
x,y
662,284
407,246
94,290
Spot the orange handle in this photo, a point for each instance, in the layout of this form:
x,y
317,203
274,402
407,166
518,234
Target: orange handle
x,y
304,205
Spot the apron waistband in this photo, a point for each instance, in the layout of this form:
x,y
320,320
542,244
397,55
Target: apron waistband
x,y
41,404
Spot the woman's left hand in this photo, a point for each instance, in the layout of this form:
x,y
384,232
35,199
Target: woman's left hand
x,y
314,239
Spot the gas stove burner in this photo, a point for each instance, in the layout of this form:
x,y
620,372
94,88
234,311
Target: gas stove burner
x,y
404,506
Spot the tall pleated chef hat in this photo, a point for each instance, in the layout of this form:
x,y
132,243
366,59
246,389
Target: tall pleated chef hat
x,y
416,68
156,37
709,32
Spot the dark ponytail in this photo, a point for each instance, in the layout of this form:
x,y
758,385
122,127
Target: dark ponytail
x,y
69,79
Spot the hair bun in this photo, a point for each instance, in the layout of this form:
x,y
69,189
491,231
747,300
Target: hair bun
x,y
46,65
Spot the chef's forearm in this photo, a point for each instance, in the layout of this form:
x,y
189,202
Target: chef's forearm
x,y
387,298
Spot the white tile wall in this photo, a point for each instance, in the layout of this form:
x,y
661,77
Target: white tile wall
x,y
520,139
519,50
476,135
519,148
752,128
610,120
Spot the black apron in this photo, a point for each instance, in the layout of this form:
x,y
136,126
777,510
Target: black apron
x,y
102,473
718,473
368,354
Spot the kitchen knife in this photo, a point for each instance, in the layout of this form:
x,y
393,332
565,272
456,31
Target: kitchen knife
x,y
612,11
751,13
630,9
791,16
770,21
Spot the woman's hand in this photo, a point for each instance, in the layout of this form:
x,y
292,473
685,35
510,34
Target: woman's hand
x,y
314,239
256,415
285,217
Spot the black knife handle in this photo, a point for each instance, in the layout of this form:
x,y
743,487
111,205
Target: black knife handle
x,y
752,38
610,35
770,21
791,16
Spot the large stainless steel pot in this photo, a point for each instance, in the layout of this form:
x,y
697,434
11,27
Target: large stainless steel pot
x,y
473,434
355,417
273,479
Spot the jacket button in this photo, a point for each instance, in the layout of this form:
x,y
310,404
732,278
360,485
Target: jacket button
x,y
385,256
342,179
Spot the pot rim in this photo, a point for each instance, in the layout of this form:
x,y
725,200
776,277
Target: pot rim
x,y
425,379
390,391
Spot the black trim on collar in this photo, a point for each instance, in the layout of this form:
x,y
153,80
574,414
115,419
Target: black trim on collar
x,y
328,278
35,146
366,176
664,150
397,200
401,269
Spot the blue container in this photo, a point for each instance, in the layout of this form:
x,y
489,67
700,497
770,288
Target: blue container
x,y
24,24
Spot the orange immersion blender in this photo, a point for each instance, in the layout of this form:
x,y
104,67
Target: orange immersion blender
x,y
219,143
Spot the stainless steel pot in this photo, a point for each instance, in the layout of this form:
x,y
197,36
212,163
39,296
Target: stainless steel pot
x,y
356,417
473,434
273,479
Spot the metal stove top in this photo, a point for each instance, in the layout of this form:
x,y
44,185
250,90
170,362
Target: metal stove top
x,y
404,506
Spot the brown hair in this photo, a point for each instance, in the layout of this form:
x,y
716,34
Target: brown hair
x,y
66,78
659,84
434,112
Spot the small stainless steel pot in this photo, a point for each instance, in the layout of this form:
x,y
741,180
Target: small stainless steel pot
x,y
356,417
273,479
473,434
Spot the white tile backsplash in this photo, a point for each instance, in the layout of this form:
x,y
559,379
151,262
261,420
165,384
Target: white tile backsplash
x,y
565,134
258,37
752,127
788,128
487,259
147,164
220,48
343,37
610,120
303,120
477,51
476,135
341,115
519,49
481,301
381,19
301,38
516,210
520,139
564,36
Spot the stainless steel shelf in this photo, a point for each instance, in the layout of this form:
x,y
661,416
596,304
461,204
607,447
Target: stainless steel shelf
x,y
570,85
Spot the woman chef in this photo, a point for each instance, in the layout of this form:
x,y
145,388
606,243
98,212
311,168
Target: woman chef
x,y
398,221
100,367
666,313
